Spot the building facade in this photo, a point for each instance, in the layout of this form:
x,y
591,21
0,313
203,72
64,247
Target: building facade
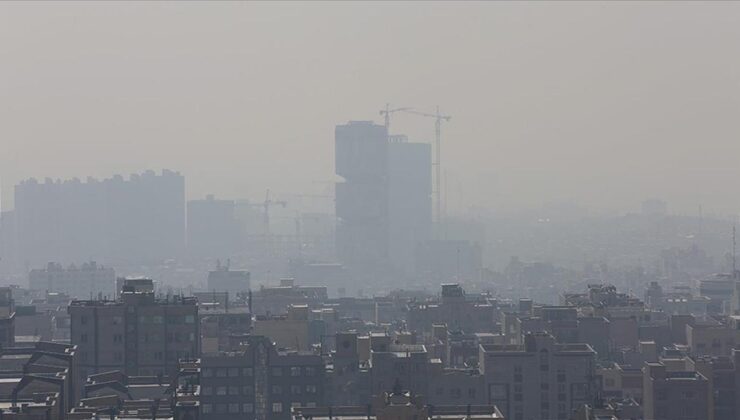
x,y
137,334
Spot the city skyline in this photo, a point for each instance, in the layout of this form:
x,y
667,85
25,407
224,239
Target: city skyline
x,y
233,93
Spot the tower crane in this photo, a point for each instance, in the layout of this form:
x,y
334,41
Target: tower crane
x,y
266,209
438,119
387,112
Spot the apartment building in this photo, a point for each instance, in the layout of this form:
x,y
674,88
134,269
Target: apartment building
x,y
675,394
138,334
540,379
257,381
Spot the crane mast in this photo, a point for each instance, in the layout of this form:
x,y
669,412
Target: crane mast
x,y
387,112
438,119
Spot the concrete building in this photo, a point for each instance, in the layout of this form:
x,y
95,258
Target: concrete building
x,y
720,289
7,317
409,201
399,405
671,394
276,299
219,323
257,381
286,331
540,379
723,374
88,281
361,153
224,279
347,373
38,380
212,228
137,334
712,338
137,219
454,310
409,365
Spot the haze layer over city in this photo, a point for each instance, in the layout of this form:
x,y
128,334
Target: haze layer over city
x,y
292,210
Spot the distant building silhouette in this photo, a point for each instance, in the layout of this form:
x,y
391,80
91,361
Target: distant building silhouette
x,y
139,219
383,206
213,230
84,282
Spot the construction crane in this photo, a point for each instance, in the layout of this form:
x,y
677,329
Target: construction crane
x,y
387,112
438,119
266,209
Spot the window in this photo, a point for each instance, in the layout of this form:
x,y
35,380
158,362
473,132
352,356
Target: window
x,y
310,371
233,372
277,389
207,408
221,372
233,407
310,404
247,371
277,407
248,408
220,408
295,371
277,371
83,338
310,389
220,390
206,390
83,320
579,391
295,405
247,390
688,395
117,320
157,320
190,319
498,392
117,338
295,389
233,390
207,372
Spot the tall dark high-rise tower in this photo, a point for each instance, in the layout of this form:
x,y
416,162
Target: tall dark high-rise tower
x,y
361,149
383,206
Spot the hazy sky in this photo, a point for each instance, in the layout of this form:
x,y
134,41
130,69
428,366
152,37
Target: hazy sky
x,y
602,103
